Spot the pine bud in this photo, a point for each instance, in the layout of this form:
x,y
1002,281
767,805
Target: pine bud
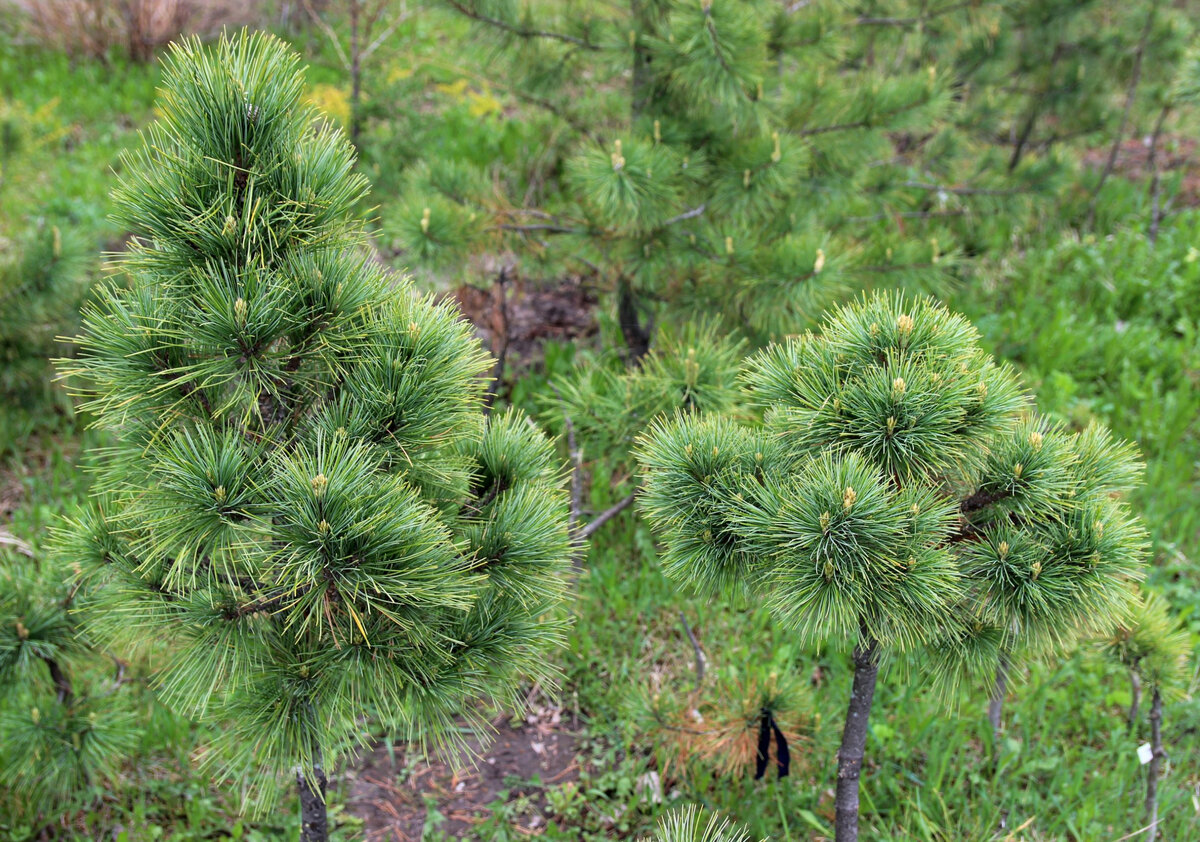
x,y
414,329
982,388
35,715
1002,550
776,155
746,178
758,457
905,324
891,424
935,256
873,330
239,311
340,432
899,386
687,450
1099,526
912,562
1035,570
716,451
219,494
729,245
819,263
618,160
22,632
828,571
1035,440
825,522
318,485
1017,469
425,221
230,225
657,132
323,527
848,498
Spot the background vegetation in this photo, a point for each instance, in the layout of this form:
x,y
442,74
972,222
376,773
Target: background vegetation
x,y
1087,279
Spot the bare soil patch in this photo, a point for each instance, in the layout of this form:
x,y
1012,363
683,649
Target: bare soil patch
x,y
392,804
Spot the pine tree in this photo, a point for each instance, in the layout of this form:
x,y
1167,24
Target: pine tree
x,y
63,734
303,498
694,825
898,481
43,282
764,161
1156,651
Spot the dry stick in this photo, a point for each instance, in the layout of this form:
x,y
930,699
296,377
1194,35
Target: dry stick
x,y
1155,178
1152,771
314,820
1135,692
1134,79
854,737
999,691
700,659
607,515
7,539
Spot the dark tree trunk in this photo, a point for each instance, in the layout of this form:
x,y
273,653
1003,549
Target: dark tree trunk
x,y
1155,176
854,737
999,691
1152,771
1135,701
62,684
641,92
637,337
314,821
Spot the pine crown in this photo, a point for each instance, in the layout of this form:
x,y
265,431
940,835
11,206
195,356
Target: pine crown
x,y
303,499
898,478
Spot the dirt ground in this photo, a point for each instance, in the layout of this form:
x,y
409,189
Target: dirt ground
x,y
392,804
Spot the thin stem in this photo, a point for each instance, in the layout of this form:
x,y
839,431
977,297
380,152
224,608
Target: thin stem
x,y
1134,80
700,659
999,691
1135,692
1155,176
854,736
62,684
314,820
1153,770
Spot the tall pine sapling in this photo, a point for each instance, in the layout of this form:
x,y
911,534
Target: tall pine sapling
x,y
893,460
302,496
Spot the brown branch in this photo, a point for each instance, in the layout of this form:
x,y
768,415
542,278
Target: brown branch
x,y
606,515
521,31
700,658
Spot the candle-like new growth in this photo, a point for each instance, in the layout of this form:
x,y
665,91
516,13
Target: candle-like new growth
x,y
899,493
302,496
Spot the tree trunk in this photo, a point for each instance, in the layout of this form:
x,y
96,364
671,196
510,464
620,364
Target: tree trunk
x,y
637,337
314,821
1135,693
641,93
1152,771
999,691
1155,176
355,74
854,737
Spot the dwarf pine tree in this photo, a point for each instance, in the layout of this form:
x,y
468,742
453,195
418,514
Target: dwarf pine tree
x,y
1157,651
63,734
898,481
302,497
753,159
43,281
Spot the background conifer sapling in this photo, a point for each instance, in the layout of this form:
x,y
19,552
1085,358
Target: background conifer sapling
x,y
302,496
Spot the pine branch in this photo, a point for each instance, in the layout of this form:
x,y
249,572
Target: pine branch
x,y
520,31
606,515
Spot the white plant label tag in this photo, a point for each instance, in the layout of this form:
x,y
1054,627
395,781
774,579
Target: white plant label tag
x,y
1145,753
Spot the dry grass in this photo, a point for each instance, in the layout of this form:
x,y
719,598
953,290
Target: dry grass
x,y
94,28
